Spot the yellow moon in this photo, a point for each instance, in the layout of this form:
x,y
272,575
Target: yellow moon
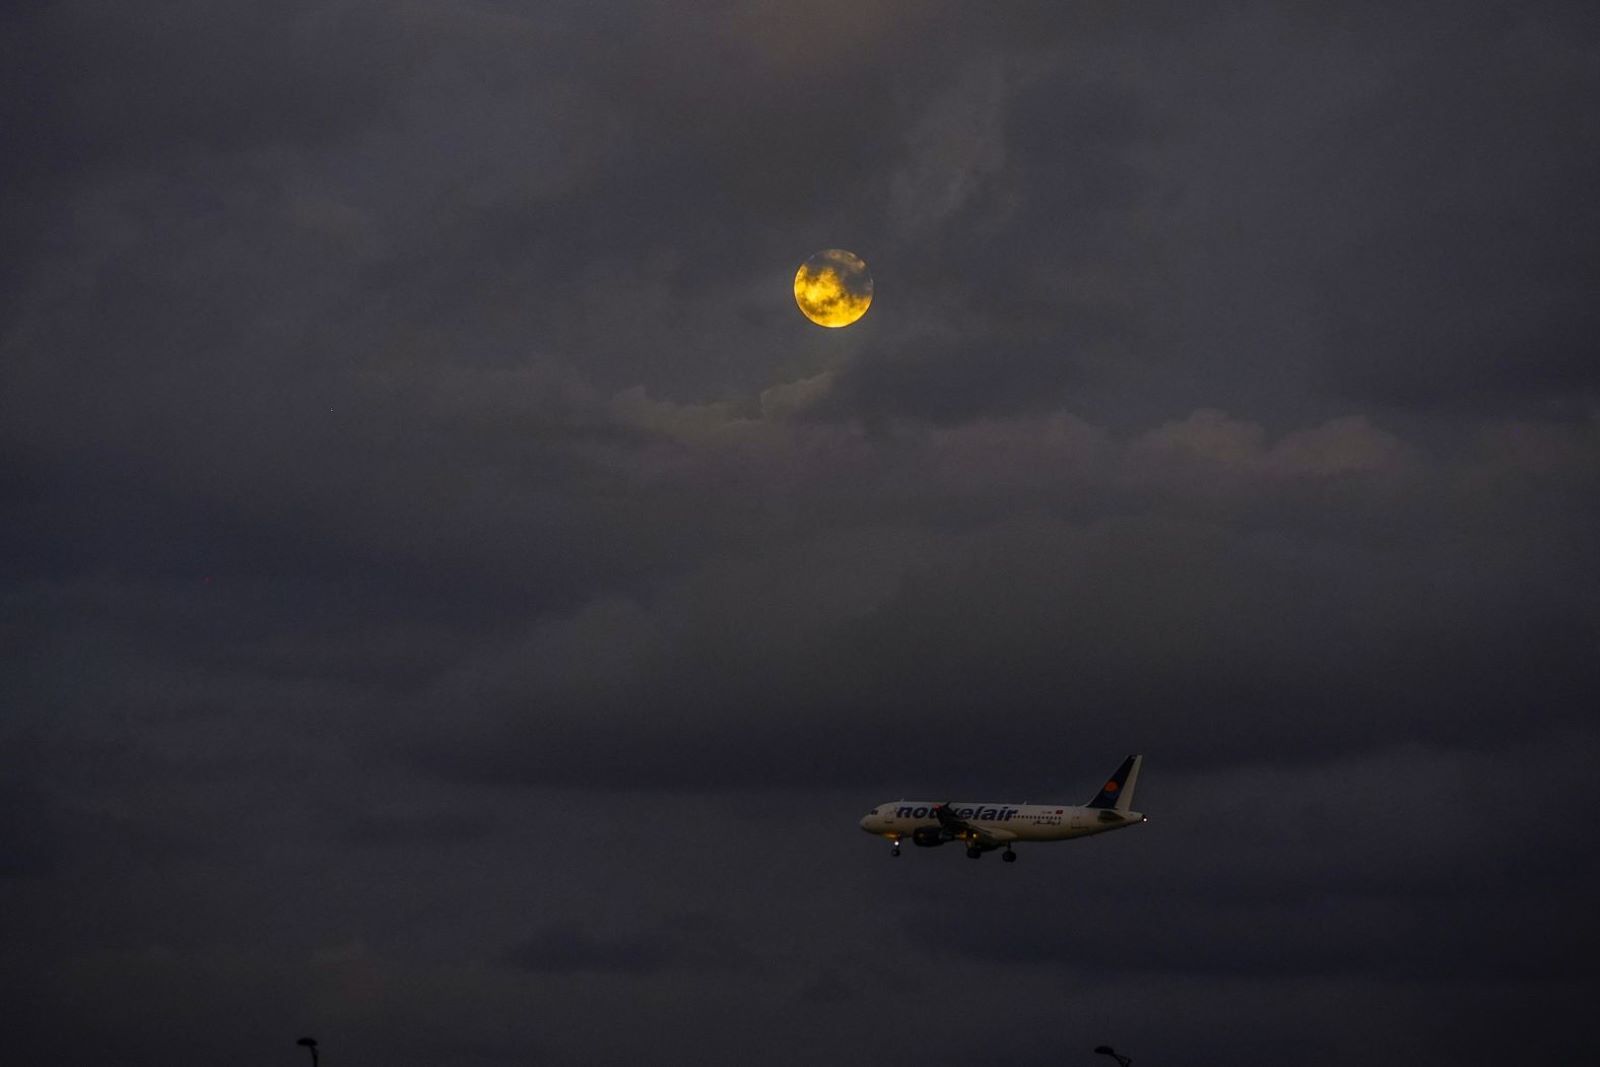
x,y
833,288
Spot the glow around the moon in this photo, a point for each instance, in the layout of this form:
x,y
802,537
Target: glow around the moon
x,y
833,288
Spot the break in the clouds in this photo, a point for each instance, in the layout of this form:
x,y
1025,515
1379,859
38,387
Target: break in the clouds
x,y
450,601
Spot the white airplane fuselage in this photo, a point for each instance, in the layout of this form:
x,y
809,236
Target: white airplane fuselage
x,y
900,819
983,827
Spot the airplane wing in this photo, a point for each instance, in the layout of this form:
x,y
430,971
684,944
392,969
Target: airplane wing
x,y
958,827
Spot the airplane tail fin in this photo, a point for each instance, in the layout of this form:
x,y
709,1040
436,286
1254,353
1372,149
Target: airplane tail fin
x,y
1117,793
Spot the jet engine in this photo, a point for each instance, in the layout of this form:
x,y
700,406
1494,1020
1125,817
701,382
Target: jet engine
x,y
928,836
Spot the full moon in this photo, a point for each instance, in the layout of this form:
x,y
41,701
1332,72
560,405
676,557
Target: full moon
x,y
833,288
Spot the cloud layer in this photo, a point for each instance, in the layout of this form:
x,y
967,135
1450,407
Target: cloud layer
x,y
452,602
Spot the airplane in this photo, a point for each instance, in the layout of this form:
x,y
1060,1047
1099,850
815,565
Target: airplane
x,y
985,827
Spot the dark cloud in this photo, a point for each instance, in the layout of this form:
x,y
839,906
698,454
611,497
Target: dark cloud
x,y
690,941
564,950
826,988
1366,892
1466,274
452,601
29,843
401,828
1289,585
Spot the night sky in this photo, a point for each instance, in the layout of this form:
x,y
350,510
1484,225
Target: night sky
x,y
453,605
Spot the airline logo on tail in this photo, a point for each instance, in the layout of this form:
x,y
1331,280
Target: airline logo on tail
x,y
1117,793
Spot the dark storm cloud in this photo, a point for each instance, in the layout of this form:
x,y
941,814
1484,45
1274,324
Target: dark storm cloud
x,y
451,599
93,92
827,988
402,827
1307,586
1406,224
95,85
1470,266
1418,940
30,841
684,942
1017,310
564,950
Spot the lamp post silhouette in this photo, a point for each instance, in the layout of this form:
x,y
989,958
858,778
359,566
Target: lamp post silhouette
x,y
310,1043
1107,1050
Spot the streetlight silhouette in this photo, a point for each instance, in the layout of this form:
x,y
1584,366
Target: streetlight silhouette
x,y
310,1043
1107,1050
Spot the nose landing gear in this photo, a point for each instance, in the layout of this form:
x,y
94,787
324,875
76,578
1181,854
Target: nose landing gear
x,y
973,852
894,849
1009,856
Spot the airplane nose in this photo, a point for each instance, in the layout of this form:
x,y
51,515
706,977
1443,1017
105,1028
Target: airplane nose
x,y
863,824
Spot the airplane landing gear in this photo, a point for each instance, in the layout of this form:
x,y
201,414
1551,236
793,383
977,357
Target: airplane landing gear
x,y
973,852
1009,856
895,850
